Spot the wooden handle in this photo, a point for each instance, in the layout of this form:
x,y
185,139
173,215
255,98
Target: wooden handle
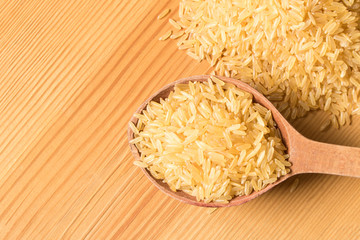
x,y
317,157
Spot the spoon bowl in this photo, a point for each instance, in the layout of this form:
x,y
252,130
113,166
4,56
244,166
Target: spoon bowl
x,y
306,156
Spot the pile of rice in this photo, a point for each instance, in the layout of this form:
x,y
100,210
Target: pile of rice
x,y
211,141
302,54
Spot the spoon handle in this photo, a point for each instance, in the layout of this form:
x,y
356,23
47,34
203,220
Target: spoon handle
x,y
316,157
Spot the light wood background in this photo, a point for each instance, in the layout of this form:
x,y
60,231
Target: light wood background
x,y
71,75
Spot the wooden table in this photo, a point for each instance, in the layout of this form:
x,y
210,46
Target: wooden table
x,y
71,75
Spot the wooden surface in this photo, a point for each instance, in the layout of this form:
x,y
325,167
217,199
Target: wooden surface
x,y
71,75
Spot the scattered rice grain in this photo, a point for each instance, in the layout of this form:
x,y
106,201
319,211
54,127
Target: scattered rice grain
x,y
164,13
294,185
174,24
165,36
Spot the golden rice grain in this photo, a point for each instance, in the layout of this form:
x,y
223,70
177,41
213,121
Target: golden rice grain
x,y
294,185
164,13
165,36
177,35
174,24
325,125
211,210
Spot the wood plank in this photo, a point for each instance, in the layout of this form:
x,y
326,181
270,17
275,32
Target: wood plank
x,y
71,75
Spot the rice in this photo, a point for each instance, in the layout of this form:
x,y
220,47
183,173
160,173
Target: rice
x,y
210,140
211,210
325,125
294,185
166,35
164,13
174,24
302,54
177,35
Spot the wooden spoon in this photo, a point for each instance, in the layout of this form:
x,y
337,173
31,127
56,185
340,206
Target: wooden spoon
x,y
306,156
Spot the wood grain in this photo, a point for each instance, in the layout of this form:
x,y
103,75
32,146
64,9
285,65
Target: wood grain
x,y
71,75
